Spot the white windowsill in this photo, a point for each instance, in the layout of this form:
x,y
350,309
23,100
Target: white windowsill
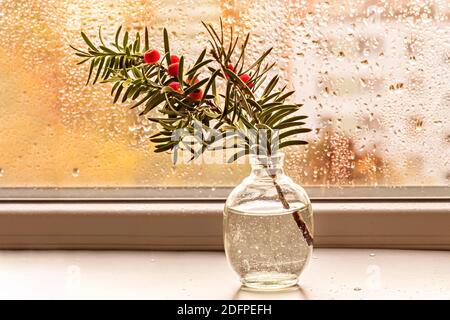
x,y
332,274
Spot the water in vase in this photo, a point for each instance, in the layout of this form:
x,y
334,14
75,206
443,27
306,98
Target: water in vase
x,y
264,244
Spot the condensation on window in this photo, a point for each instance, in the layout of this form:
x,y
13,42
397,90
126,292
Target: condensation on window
x,y
374,77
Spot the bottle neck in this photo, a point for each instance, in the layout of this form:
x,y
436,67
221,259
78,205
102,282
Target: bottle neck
x,y
267,166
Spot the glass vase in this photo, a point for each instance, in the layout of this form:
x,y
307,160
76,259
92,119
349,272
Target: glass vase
x,y
268,226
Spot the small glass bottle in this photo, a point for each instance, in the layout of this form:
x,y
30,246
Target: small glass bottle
x,y
268,226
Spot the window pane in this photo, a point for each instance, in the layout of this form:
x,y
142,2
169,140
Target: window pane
x,y
374,78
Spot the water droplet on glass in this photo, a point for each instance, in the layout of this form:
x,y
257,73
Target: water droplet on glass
x,y
372,255
76,172
396,86
1,172
418,125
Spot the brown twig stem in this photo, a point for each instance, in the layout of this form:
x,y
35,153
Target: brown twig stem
x,y
296,215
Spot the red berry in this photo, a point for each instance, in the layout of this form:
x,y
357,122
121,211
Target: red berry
x,y
246,78
151,56
196,95
175,86
173,69
229,67
174,59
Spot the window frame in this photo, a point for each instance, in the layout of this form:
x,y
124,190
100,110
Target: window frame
x,y
214,193
190,218
143,218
